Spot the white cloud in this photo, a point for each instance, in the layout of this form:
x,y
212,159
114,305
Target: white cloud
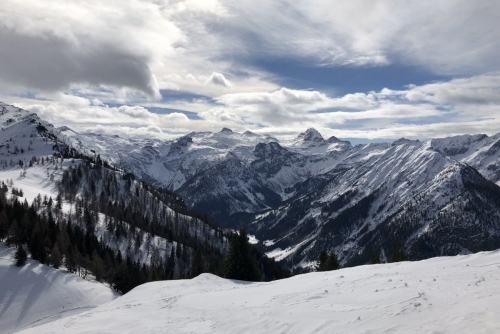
x,y
218,79
452,37
479,90
282,96
456,106
136,112
77,57
154,129
52,45
432,110
441,106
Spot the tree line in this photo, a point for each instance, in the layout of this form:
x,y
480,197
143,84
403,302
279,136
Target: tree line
x,y
131,210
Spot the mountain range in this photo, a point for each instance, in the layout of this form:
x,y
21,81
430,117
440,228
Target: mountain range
x,y
299,196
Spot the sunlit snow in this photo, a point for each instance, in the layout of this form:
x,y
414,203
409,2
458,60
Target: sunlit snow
x,y
442,295
36,294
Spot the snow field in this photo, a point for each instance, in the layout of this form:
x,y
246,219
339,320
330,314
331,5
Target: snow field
x,y
36,294
441,295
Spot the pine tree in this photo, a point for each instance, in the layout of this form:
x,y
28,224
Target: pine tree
x,y
321,262
97,266
21,256
13,236
59,201
332,263
55,257
240,264
197,265
375,259
327,262
397,252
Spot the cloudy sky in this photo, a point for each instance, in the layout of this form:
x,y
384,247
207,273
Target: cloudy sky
x,y
361,70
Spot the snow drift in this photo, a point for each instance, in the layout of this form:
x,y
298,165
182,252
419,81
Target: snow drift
x,y
441,295
36,294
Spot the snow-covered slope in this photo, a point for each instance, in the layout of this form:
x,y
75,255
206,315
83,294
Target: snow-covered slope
x,y
380,196
442,295
480,151
140,223
24,135
36,294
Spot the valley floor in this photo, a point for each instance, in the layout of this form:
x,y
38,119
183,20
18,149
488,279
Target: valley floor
x,y
442,295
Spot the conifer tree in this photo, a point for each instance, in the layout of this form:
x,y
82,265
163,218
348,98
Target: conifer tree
x,y
332,263
327,262
59,201
21,256
197,266
240,264
375,259
55,257
397,252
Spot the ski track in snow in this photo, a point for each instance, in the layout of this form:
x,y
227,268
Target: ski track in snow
x,y
441,295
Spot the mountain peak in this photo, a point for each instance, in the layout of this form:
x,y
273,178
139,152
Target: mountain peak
x,y
404,140
226,130
64,128
311,134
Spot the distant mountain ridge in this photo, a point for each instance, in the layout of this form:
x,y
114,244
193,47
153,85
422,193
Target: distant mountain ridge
x,y
308,194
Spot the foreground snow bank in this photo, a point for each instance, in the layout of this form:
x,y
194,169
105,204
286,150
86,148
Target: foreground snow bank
x,y
442,295
36,294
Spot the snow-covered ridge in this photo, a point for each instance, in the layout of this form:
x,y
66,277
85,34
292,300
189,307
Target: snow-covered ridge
x,y
36,294
442,295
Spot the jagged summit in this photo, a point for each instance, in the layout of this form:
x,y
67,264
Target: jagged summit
x,y
5,108
403,140
64,128
335,140
311,135
250,133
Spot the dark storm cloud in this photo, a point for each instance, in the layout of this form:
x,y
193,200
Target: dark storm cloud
x,y
51,63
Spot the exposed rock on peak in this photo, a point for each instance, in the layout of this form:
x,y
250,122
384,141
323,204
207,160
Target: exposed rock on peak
x,y
180,145
403,140
268,150
311,135
249,133
66,129
335,140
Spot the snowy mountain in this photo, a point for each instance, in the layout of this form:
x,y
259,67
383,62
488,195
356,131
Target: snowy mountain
x,y
61,200
305,194
246,172
405,297
301,195
384,196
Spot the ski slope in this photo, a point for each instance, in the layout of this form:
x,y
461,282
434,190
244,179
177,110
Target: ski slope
x,y
442,295
36,294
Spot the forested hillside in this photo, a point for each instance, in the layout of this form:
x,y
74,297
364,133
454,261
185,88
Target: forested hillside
x,y
68,207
